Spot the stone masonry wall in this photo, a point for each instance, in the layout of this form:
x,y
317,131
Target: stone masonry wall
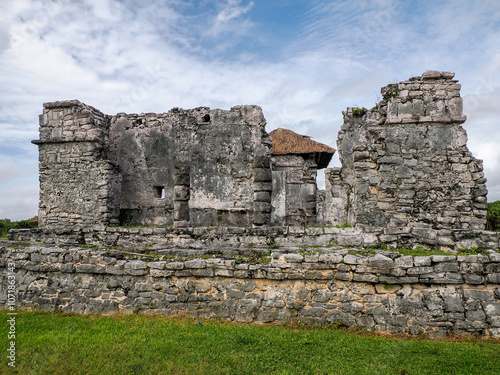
x,y
294,190
433,295
77,184
243,238
197,167
406,163
184,167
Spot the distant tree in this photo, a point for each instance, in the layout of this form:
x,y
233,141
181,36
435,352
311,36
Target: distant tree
x,y
493,216
7,224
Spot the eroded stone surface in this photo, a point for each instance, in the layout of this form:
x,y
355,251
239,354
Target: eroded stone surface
x,y
334,287
406,163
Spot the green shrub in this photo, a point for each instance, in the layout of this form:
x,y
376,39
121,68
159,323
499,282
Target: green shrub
x,y
358,112
493,216
6,225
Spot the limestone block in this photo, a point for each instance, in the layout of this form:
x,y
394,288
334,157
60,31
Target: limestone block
x,y
420,261
365,278
330,258
473,279
195,264
455,106
443,258
293,258
473,259
494,257
136,265
390,160
404,262
380,262
432,74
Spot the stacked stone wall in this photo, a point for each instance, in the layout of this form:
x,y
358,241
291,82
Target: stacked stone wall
x,y
77,184
72,120
243,238
97,169
221,153
406,163
433,295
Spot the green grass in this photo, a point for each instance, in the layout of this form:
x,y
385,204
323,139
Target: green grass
x,y
138,344
420,251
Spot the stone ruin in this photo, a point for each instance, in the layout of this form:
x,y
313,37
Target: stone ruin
x,y
202,213
405,163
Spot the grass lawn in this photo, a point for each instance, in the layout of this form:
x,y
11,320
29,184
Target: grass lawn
x,y
49,343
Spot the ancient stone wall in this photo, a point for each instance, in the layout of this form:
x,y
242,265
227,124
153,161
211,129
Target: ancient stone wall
x,y
294,190
436,295
406,162
78,184
196,167
239,238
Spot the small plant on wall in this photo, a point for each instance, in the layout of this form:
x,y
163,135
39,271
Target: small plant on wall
x,y
358,112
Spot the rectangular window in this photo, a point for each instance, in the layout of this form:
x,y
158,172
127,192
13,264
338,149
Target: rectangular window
x,y
159,192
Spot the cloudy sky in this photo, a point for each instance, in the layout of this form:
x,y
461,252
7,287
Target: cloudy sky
x,y
302,61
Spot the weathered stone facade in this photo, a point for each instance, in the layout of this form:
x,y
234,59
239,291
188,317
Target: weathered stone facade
x,y
406,162
294,190
77,181
435,295
196,166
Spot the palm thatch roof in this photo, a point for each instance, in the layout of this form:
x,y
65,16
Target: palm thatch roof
x,y
287,142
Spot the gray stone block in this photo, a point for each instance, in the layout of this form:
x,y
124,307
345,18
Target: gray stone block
x,y
404,262
419,261
330,258
196,263
135,265
85,268
293,258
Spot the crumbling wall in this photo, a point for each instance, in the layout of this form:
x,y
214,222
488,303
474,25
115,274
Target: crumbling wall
x,y
185,167
193,167
78,186
406,162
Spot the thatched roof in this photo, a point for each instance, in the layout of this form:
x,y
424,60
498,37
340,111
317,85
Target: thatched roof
x,y
288,142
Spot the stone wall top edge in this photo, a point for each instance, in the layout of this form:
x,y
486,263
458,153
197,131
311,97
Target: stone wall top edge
x,y
63,104
177,110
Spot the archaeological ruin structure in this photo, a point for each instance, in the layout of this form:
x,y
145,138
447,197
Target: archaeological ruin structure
x,y
405,163
201,212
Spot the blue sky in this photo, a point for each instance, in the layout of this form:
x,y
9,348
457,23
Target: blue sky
x,y
303,62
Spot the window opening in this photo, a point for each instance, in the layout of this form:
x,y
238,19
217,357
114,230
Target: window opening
x,y
159,192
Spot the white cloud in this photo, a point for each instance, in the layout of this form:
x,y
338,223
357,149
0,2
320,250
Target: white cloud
x,y
231,10
18,186
21,204
149,57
